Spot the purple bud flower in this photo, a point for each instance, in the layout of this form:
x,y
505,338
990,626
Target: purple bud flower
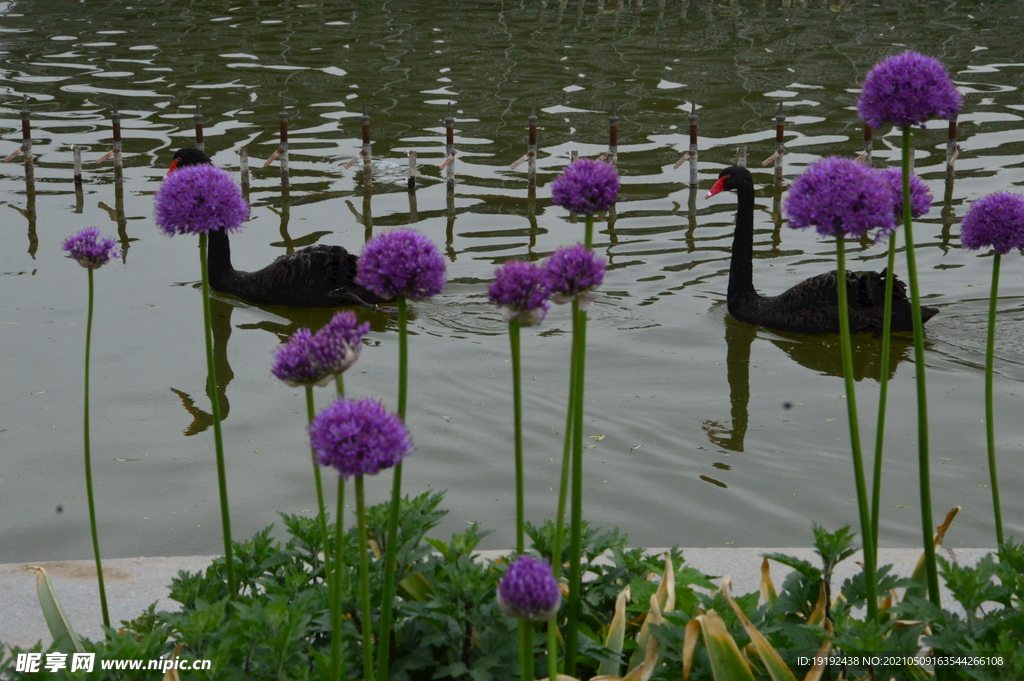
x,y
308,359
528,590
573,271
519,286
920,195
401,262
995,221
359,437
840,197
586,187
199,199
89,249
908,89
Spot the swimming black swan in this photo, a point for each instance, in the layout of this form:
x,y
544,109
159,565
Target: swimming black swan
x,y
315,276
812,305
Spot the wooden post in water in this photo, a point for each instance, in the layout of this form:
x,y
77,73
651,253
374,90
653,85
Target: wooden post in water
x,y
952,150
243,170
531,151
869,144
115,121
613,137
412,170
283,125
367,158
76,153
198,118
449,149
741,156
780,149
26,143
693,144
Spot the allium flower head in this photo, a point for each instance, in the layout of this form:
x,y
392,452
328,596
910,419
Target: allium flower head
x,y
920,195
908,89
839,197
198,199
528,590
90,249
519,286
995,221
573,271
586,187
359,437
308,359
401,262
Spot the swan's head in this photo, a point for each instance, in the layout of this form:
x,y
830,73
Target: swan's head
x,y
187,157
732,177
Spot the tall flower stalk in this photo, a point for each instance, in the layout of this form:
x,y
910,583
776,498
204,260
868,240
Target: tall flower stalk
x,y
358,438
997,222
309,359
199,199
907,90
402,264
920,202
528,592
840,198
586,187
91,251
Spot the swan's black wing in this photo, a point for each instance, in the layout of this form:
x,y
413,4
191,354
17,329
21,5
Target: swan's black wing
x,y
316,276
812,306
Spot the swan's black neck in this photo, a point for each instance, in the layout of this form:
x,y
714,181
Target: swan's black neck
x,y
218,263
741,267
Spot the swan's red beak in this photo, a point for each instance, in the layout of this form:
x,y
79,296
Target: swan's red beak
x,y
174,165
718,187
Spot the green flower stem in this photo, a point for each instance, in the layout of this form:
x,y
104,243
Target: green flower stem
x,y
563,493
851,410
338,667
575,605
322,516
883,392
222,481
517,427
338,670
391,549
526,650
88,462
990,429
927,526
364,582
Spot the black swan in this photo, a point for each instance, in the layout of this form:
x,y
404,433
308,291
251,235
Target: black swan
x,y
315,276
812,305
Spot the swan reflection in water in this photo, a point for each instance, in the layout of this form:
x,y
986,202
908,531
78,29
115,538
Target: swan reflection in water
x,y
819,353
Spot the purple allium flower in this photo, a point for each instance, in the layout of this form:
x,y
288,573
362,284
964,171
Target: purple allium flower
x,y
199,199
519,286
920,195
839,197
573,271
908,89
528,590
995,221
308,359
586,187
90,249
402,262
359,437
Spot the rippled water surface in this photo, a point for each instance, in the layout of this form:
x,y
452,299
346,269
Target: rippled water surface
x,y
702,431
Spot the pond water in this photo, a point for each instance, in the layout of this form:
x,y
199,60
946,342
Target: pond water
x,y
702,431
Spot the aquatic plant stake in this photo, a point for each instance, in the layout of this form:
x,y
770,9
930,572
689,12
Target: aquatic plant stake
x,y
196,200
401,264
920,202
841,197
358,438
996,222
91,251
907,90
